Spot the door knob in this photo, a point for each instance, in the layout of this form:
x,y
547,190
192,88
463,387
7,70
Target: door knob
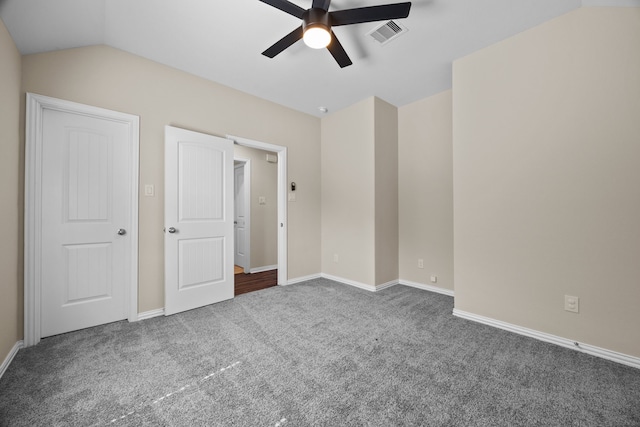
x,y
122,232
172,230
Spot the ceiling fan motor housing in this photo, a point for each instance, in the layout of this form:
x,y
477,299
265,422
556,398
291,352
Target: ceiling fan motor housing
x,y
316,17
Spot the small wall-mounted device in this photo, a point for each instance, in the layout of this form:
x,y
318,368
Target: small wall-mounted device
x,y
272,158
293,186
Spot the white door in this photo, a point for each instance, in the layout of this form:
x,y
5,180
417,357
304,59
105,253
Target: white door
x,y
240,257
198,220
86,221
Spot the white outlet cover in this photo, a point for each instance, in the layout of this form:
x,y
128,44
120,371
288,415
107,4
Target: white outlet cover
x,y
572,304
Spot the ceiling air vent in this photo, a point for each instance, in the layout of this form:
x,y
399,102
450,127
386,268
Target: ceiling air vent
x,y
386,32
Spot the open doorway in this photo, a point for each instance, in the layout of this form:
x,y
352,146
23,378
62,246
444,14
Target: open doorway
x,y
242,214
258,219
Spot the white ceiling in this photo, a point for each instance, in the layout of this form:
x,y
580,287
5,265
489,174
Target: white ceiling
x,y
222,40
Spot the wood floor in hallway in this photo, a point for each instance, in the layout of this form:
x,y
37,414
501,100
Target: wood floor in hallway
x,y
254,282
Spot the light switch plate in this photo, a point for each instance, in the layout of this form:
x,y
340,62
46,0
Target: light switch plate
x,y
292,197
149,190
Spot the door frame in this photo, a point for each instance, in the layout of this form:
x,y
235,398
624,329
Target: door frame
x,y
282,198
246,167
33,209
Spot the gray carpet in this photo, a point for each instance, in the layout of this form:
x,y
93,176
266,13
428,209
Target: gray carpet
x,y
314,354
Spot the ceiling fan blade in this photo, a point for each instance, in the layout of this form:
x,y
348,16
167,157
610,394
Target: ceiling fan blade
x,y
284,43
370,14
321,4
338,52
285,6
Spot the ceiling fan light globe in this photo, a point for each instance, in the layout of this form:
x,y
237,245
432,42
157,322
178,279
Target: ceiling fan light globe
x,y
317,37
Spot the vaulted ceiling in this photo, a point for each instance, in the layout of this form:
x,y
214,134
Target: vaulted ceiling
x,y
222,40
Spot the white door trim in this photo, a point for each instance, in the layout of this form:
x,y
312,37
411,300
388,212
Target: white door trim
x,y
247,207
36,104
282,198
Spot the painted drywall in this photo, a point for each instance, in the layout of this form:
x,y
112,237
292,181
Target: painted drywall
x,y
546,159
425,150
359,193
264,218
348,193
386,192
11,206
113,79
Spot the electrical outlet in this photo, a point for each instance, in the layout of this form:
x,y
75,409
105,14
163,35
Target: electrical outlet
x,y
420,263
434,278
572,304
336,258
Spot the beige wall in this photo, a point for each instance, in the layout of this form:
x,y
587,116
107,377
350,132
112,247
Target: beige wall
x,y
11,202
386,192
546,178
426,190
160,95
359,193
264,218
348,201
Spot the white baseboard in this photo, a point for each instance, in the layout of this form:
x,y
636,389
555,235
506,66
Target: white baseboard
x,y
553,339
263,269
425,287
349,282
12,353
376,288
386,285
370,288
151,314
303,279
340,280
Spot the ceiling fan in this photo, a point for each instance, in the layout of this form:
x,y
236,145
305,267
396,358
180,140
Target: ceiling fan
x,y
317,22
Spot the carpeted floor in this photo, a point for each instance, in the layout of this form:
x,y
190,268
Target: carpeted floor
x,y
314,354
